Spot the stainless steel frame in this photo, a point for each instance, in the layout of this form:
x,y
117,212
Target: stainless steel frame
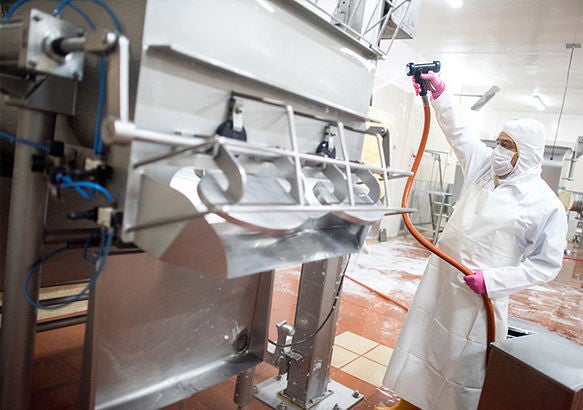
x,y
27,207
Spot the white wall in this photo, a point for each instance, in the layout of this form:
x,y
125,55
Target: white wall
x,y
570,127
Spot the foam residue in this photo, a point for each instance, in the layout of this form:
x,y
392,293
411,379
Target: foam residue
x,y
395,267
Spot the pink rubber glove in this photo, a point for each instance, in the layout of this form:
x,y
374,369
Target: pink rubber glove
x,y
434,84
476,282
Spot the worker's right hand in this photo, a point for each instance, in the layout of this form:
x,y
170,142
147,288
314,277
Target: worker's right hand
x,y
434,84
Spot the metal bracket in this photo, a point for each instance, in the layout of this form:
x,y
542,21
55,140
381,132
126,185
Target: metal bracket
x,y
282,360
28,46
237,115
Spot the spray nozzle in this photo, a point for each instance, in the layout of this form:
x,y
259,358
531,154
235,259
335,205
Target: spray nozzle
x,y
418,69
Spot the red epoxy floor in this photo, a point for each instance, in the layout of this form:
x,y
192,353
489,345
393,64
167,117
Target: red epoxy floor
x,y
391,268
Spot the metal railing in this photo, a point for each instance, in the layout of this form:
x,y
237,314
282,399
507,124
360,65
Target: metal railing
x,y
378,19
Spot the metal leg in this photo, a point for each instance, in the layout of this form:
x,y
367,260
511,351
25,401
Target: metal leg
x,y
308,377
244,388
308,361
25,228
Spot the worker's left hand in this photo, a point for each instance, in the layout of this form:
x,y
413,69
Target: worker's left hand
x,y
476,282
434,84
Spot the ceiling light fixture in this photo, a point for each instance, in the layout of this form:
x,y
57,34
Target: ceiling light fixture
x,y
540,104
483,99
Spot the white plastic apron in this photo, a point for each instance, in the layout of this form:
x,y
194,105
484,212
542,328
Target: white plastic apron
x,y
439,360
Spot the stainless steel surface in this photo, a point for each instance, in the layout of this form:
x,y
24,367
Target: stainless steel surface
x,y
536,371
205,78
23,248
160,334
271,62
550,354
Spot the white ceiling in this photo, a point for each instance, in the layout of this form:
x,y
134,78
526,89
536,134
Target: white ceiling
x,y
517,45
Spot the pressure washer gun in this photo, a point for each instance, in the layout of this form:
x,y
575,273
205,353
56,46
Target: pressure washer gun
x,y
418,69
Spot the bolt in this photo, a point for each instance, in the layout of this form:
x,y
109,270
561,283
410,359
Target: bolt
x,y
76,75
278,377
282,406
356,394
36,18
255,390
32,63
336,407
80,32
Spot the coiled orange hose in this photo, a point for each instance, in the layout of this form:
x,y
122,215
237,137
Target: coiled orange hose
x,y
491,324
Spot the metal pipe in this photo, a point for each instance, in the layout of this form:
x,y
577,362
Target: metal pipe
x,y
24,243
124,132
69,236
60,323
299,187
62,299
346,161
59,300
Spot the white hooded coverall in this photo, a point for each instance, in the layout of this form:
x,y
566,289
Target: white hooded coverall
x,y
514,232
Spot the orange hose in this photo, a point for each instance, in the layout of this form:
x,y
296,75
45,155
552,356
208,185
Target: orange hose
x,y
491,324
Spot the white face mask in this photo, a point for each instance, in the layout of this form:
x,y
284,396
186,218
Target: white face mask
x,y
501,158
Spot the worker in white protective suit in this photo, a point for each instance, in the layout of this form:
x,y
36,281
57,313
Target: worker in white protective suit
x,y
509,228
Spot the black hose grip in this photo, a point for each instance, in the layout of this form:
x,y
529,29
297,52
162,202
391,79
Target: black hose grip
x,y
417,69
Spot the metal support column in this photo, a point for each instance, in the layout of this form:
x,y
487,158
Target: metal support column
x,y
308,362
308,377
24,244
